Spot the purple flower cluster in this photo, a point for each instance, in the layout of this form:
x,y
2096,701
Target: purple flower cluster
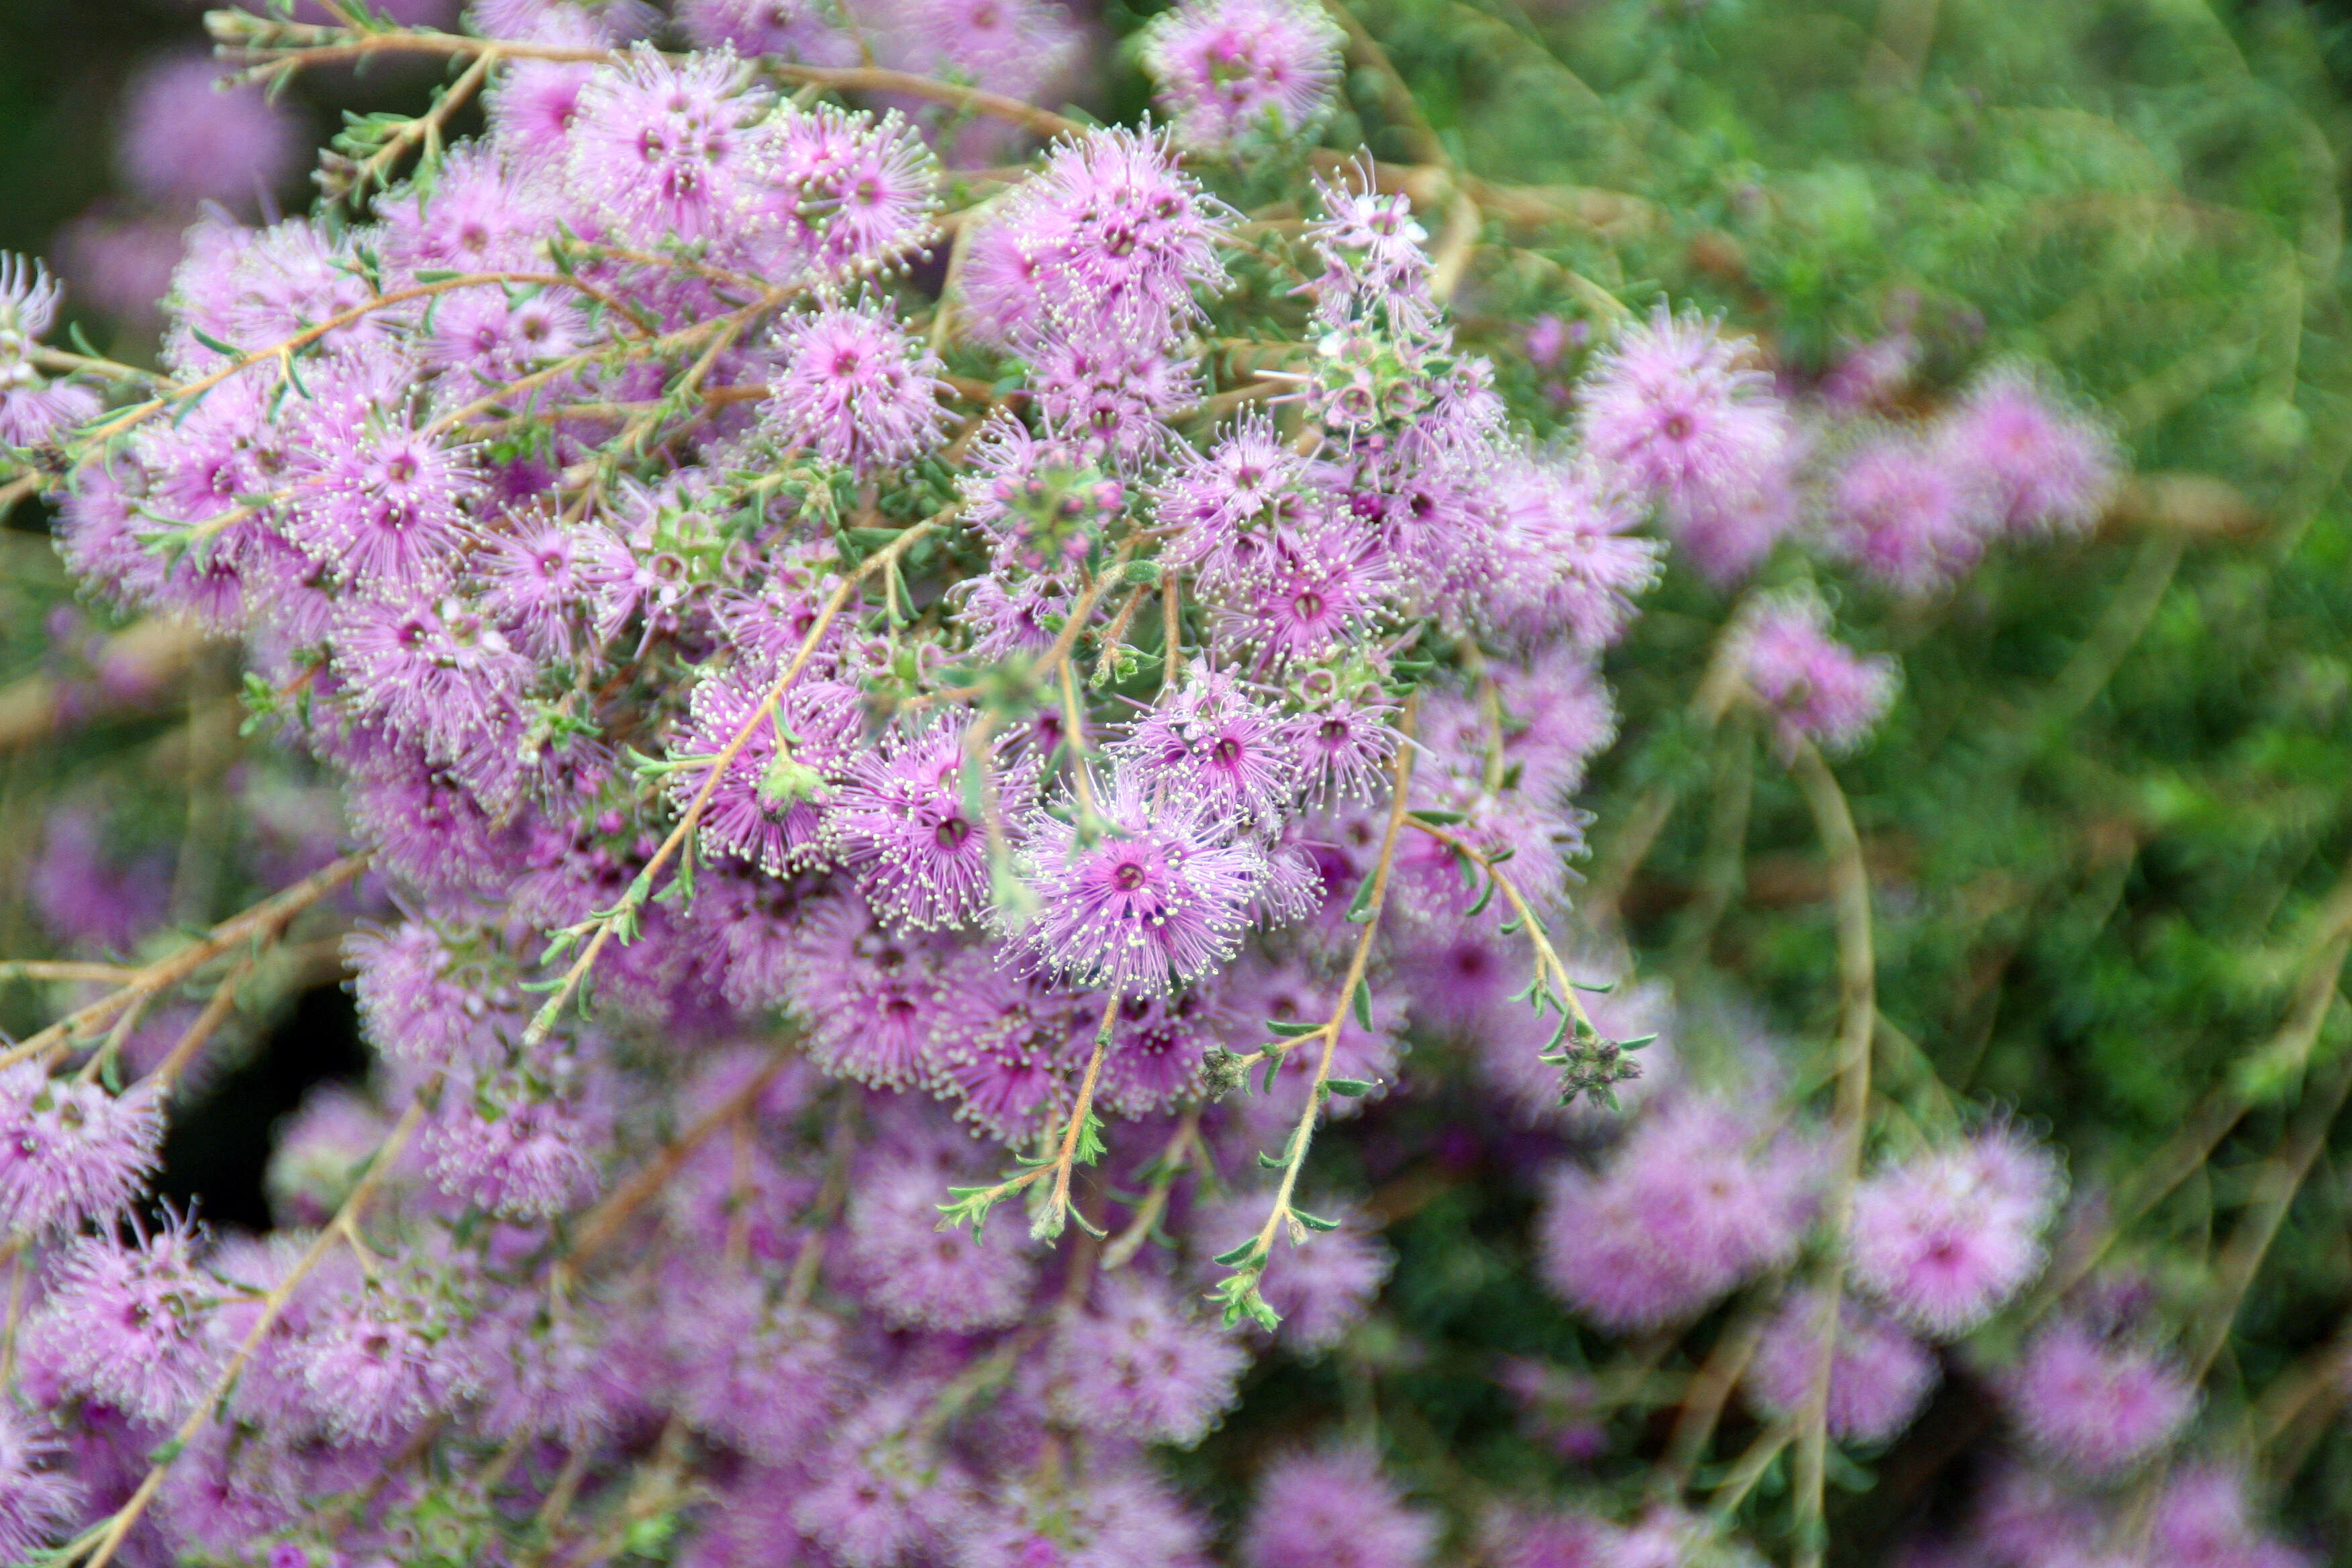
x,y
1688,418
857,710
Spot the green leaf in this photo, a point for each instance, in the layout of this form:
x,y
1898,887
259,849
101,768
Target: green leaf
x,y
1239,1255
1314,1222
1438,818
1292,1031
1352,1087
1090,1142
1359,908
1364,1003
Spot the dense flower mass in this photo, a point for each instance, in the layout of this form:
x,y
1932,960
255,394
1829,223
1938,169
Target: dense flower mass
x,y
899,708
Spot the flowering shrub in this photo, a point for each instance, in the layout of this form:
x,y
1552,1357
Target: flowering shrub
x,y
953,751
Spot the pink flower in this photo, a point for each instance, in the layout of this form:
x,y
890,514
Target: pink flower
x,y
39,1499
901,823
1006,1047
846,192
1879,1376
2048,468
71,1152
1944,1240
856,388
1136,1365
804,31
2100,1404
185,141
125,1324
1234,71
1681,413
666,149
872,996
1159,897
1815,688
1316,1511
1903,510
918,1275
1111,237
1694,1201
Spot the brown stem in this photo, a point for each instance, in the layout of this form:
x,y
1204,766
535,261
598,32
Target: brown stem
x,y
265,920
1858,1014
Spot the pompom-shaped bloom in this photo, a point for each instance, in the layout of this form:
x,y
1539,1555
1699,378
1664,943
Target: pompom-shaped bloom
x,y
1314,594
2098,1403
1726,534
1879,1376
534,583
431,668
1110,235
768,805
900,825
664,148
1160,896
1136,1365
1815,686
125,1323
1126,1518
2204,1518
32,409
1944,1240
1344,745
1006,1048
1549,716
2047,467
521,1144
1231,71
1158,1045
882,1495
479,215
761,1377
422,1002
1210,739
1695,1200
1902,510
1223,501
546,1376
918,1275
82,895
183,141
378,1359
1107,400
1320,1511
534,105
377,502
1375,267
871,996
71,1152
1563,560
1021,48
856,388
1681,413
806,31
489,337
39,1498
846,192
